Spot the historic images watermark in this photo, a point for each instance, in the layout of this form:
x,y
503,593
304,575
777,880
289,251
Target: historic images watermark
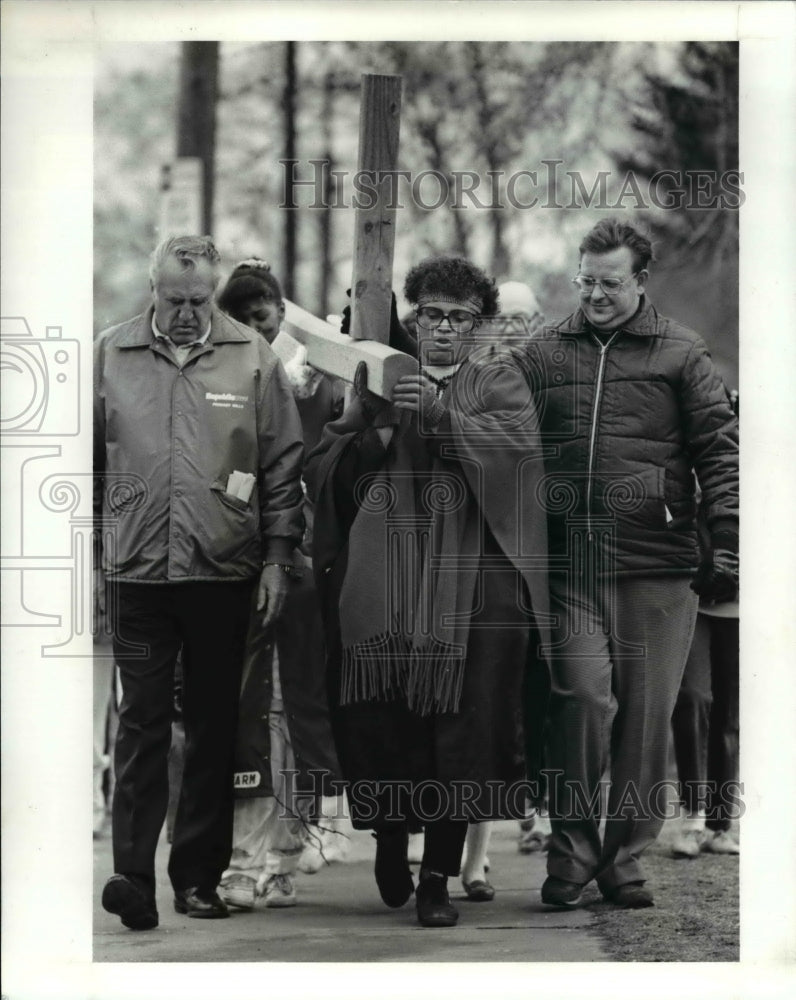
x,y
51,523
431,800
315,184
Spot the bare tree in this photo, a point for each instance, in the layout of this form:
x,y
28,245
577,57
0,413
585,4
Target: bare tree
x,y
290,217
196,115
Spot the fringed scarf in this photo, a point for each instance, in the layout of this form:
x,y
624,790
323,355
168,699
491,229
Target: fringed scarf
x,y
404,619
404,624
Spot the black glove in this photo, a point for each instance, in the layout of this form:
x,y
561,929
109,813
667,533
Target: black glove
x,y
716,579
400,338
373,406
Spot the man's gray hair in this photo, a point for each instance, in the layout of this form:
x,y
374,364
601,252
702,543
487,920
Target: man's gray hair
x,y
187,250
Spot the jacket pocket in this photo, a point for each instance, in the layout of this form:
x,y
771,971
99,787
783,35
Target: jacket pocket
x,y
228,499
637,498
681,504
230,531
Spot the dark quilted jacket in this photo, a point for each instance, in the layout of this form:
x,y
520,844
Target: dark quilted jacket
x,y
624,435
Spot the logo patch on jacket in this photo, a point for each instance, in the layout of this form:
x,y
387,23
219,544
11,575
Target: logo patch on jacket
x,y
247,779
226,400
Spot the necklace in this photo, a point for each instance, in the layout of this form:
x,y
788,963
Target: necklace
x,y
442,383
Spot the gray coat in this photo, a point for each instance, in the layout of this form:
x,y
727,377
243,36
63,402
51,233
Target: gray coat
x,y
166,440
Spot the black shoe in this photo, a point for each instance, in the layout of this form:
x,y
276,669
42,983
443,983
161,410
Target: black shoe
x,y
393,876
630,896
434,907
131,901
200,903
558,892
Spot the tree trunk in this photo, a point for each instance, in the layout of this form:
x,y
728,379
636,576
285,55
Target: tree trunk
x,y
196,115
429,131
486,113
325,216
289,215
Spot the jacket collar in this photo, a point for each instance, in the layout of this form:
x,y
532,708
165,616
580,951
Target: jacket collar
x,y
643,323
223,330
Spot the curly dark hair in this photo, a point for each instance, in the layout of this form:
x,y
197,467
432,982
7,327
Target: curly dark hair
x,y
451,277
247,282
611,234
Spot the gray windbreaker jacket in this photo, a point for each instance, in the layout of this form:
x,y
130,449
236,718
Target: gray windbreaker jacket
x,y
165,442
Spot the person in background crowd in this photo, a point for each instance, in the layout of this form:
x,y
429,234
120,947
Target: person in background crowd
x,y
705,722
426,692
634,406
283,675
521,318
205,501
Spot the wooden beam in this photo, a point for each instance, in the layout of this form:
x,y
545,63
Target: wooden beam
x,y
374,227
338,354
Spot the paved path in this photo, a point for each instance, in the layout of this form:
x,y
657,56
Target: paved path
x,y
340,918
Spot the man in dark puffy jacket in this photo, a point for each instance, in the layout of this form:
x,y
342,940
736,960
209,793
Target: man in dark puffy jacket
x,y
631,408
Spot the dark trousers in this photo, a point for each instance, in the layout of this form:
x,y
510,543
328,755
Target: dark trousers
x,y
705,722
152,622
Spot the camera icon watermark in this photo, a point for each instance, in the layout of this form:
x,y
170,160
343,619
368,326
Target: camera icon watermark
x,y
40,381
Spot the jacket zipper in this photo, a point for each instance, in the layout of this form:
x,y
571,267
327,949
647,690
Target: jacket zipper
x,y
598,388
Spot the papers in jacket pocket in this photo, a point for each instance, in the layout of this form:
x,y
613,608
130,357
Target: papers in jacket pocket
x,y
240,485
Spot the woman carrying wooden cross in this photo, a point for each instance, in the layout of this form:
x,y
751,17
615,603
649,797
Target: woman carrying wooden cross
x,y
430,555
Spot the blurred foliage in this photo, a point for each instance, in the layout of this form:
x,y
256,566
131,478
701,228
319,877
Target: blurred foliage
x,y
689,123
467,106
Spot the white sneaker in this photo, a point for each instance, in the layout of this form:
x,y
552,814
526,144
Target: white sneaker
x,y
689,843
535,834
336,844
238,890
279,891
722,842
311,860
533,841
325,845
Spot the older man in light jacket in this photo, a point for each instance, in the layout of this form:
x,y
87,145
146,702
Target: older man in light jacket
x,y
198,453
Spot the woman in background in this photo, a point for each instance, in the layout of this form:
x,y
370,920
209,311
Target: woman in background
x,y
285,769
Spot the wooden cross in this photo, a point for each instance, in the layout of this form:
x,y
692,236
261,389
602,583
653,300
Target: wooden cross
x,y
371,283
